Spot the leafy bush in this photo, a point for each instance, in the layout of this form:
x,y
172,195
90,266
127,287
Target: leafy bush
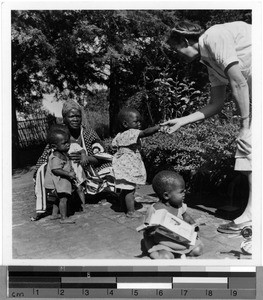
x,y
204,150
176,98
202,153
168,98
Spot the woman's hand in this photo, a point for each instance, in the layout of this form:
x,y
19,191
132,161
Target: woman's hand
x,y
171,125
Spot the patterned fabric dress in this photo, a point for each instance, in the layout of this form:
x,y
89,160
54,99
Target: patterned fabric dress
x,y
127,161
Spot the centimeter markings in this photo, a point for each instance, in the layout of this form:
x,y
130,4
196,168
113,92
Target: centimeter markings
x,y
133,293
118,282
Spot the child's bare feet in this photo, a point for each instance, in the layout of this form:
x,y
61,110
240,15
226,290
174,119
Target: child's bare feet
x,y
161,254
67,221
84,209
55,217
197,251
133,214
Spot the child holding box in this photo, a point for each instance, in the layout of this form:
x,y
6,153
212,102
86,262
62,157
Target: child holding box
x,y
170,189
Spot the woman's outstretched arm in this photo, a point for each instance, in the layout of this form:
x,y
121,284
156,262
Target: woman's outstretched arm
x,y
215,105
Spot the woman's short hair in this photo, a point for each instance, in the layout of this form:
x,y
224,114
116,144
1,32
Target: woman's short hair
x,y
185,29
163,181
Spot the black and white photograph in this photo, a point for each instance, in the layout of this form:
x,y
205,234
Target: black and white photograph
x,y
147,113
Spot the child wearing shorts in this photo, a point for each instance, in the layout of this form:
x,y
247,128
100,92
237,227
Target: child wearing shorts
x,y
60,174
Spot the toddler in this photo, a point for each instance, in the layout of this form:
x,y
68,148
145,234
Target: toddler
x,y
129,169
60,174
170,189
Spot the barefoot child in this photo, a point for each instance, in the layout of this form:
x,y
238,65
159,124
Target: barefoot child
x,y
60,175
127,162
78,167
170,189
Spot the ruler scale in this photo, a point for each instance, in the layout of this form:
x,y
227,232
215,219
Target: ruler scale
x,y
132,282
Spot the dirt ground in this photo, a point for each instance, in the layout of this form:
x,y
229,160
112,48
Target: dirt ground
x,y
102,232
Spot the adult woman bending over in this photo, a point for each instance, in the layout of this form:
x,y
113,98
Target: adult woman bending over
x,y
226,51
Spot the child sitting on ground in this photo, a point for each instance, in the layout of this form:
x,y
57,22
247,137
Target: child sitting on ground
x,y
170,189
60,174
129,169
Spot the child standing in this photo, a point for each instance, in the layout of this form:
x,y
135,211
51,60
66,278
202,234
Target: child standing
x,y
129,169
170,189
60,175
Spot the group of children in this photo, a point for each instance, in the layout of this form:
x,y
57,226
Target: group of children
x,y
63,176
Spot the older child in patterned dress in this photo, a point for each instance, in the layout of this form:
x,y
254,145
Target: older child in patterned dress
x,y
129,169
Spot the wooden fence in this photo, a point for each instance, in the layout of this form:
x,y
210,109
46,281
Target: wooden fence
x,y
33,132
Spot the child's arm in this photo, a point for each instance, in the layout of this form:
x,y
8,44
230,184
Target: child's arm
x,y
62,173
86,159
149,131
187,218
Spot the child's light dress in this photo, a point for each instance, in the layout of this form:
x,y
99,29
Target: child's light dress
x,y
80,174
51,181
129,169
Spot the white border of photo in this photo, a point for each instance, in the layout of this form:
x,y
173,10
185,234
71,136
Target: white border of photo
x,y
6,166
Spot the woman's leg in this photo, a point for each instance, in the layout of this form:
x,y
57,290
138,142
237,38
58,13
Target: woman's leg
x,y
247,214
245,219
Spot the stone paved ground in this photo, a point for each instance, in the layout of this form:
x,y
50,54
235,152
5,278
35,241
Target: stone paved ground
x,y
101,232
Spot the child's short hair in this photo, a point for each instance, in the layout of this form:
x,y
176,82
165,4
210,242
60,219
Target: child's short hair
x,y
54,131
163,180
124,114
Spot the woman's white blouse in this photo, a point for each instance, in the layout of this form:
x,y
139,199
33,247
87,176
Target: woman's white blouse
x,y
224,44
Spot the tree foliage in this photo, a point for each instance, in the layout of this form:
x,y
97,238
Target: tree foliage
x,y
54,50
67,51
